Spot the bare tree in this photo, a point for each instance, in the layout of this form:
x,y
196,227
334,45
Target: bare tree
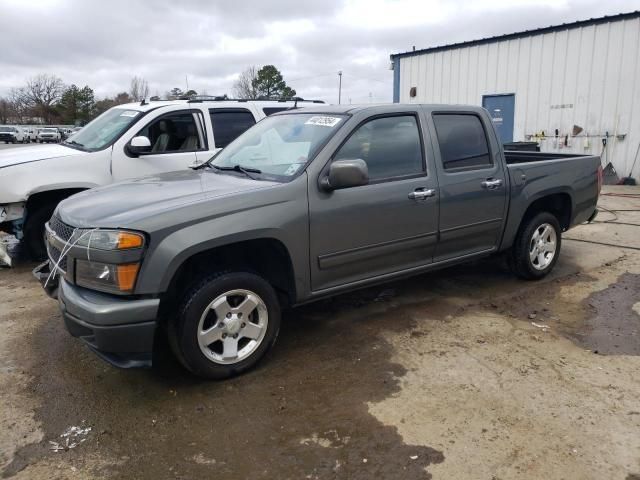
x,y
41,94
244,86
139,89
21,106
6,110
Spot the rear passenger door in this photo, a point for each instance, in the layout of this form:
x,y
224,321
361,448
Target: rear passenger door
x,y
472,185
386,226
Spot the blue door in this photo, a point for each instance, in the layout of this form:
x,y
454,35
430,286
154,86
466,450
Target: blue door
x,y
501,108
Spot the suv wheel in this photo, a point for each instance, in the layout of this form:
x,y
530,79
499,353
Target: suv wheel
x,y
34,231
225,324
537,247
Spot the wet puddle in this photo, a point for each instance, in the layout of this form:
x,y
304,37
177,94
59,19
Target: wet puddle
x,y
613,326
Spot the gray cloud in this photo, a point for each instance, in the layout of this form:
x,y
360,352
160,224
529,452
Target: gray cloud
x,y
103,44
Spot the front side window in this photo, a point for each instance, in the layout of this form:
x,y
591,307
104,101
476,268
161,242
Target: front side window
x,y
390,146
229,125
280,146
462,140
173,133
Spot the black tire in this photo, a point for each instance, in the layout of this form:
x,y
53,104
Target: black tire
x,y
34,231
183,328
520,261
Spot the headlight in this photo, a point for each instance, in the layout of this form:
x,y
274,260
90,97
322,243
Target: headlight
x,y
110,240
107,277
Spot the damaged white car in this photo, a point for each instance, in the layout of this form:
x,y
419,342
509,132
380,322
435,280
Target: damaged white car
x,y
131,140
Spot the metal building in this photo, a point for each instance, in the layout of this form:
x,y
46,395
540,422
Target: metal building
x,y
572,88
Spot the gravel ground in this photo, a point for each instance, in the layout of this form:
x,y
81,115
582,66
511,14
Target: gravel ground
x,y
462,373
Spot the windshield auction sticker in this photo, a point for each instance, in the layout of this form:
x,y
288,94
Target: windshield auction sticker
x,y
129,113
323,121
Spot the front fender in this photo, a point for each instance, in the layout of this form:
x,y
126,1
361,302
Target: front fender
x,y
285,221
18,182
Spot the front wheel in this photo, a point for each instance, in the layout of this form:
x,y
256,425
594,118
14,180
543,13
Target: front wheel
x,y
34,231
537,247
226,323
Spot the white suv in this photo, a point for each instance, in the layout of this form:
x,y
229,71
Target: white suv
x,y
126,141
48,135
11,134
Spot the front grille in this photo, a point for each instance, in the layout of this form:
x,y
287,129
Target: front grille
x,y
54,256
61,229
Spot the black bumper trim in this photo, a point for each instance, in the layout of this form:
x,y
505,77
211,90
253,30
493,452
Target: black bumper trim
x,y
125,346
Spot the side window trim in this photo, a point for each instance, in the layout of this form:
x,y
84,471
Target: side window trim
x,y
198,117
455,170
420,127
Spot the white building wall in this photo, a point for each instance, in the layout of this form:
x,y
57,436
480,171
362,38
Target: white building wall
x,y
587,76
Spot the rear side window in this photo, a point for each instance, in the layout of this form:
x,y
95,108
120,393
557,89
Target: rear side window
x,y
229,125
389,145
463,142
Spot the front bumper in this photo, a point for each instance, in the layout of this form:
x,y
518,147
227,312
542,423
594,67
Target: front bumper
x,y
119,330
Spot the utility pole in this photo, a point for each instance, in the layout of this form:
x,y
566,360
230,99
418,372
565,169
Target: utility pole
x,y
339,86
186,81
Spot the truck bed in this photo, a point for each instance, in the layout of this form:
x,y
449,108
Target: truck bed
x,y
513,157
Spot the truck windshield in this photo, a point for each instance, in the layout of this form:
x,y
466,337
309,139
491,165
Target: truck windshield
x,y
6,129
102,131
278,147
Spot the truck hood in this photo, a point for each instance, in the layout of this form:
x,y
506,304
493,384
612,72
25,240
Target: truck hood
x,y
124,204
37,153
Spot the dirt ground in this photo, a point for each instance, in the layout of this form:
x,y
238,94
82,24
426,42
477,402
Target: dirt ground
x,y
464,373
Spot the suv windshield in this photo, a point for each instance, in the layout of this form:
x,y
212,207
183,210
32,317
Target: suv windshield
x,y
48,130
278,147
6,129
102,131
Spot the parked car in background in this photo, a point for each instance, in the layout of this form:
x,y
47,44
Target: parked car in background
x,y
65,133
124,142
10,134
30,134
304,205
48,135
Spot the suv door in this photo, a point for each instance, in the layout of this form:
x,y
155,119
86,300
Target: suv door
x,y
472,185
362,232
175,139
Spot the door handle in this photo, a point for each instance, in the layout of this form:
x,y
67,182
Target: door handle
x,y
491,184
422,194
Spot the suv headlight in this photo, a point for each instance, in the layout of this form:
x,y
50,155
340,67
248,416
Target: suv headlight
x,y
110,240
106,277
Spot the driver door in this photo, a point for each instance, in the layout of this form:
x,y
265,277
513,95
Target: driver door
x,y
176,140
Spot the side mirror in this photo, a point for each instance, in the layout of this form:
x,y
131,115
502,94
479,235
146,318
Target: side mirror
x,y
345,174
139,145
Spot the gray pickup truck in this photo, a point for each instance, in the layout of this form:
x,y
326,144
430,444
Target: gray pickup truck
x,y
304,205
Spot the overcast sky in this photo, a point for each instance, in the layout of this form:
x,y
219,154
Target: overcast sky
x,y
104,43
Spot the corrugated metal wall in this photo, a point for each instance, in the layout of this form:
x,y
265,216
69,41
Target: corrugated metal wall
x,y
587,76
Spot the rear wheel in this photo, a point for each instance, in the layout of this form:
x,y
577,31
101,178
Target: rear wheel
x,y
537,246
34,231
225,325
